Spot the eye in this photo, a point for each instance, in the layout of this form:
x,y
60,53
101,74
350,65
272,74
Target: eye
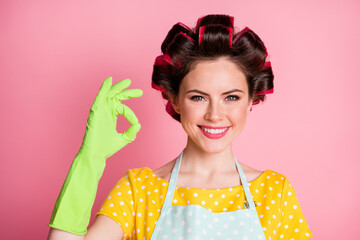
x,y
197,98
232,98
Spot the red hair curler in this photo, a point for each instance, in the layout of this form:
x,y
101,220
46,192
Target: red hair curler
x,y
265,92
167,59
154,86
169,108
230,35
199,21
256,102
232,21
201,33
159,61
267,65
183,25
241,33
185,35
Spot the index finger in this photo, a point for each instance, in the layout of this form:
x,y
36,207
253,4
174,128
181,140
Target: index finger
x,y
119,86
129,93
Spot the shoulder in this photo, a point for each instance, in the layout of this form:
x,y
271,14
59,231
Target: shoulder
x,y
164,171
269,178
137,175
268,175
142,180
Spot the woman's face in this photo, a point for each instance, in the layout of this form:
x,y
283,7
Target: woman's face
x,y
213,103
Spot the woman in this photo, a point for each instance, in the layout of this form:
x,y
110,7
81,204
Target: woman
x,y
211,77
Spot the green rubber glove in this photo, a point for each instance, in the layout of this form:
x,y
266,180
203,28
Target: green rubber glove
x,y
72,209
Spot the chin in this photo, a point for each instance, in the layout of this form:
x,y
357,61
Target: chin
x,y
213,148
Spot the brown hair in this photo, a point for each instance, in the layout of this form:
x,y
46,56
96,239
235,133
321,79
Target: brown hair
x,y
212,38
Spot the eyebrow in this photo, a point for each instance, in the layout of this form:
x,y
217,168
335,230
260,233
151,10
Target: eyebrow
x,y
224,93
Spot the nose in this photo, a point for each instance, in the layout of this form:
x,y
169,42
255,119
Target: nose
x,y
214,112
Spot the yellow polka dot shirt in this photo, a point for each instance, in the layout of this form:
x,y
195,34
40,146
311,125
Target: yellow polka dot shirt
x,y
136,201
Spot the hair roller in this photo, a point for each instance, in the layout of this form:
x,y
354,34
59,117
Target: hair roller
x,y
185,35
181,44
201,33
183,25
265,92
169,108
267,65
199,21
167,59
251,47
225,20
174,31
240,34
160,61
256,102
215,39
232,21
156,87
230,35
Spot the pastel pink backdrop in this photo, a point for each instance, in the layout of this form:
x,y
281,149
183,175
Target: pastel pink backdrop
x,y
55,55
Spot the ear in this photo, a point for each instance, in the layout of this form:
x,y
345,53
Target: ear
x,y
175,103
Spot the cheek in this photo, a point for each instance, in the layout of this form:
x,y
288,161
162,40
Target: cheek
x,y
191,111
238,115
191,115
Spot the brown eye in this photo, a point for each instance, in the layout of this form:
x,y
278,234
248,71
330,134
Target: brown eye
x,y
197,98
232,98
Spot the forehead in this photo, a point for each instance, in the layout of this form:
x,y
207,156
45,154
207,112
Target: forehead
x,y
219,74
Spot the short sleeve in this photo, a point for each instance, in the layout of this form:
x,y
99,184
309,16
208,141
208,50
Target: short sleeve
x,y
120,204
293,224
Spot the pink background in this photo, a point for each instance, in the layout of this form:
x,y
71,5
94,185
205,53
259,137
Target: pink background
x,y
55,55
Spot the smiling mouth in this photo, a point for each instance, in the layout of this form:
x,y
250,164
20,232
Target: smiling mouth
x,y
217,130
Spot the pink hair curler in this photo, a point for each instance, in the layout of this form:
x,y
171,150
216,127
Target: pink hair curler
x,y
256,102
169,108
230,35
154,86
201,33
159,61
167,59
241,33
183,25
232,21
185,35
199,21
265,92
267,65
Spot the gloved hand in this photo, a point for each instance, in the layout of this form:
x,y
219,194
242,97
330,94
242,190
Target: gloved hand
x,y
72,210
101,137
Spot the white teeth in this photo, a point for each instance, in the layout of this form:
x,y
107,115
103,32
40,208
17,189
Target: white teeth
x,y
214,131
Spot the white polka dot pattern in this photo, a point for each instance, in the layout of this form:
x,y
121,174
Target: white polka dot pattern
x,y
284,205
209,225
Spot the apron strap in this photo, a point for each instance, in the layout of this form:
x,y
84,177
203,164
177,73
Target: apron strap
x,y
249,197
172,184
174,176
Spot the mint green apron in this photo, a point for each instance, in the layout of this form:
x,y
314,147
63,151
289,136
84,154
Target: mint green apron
x,y
196,222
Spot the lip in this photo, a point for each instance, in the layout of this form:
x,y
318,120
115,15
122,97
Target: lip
x,y
214,136
213,127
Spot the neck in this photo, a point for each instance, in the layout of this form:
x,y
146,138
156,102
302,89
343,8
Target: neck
x,y
196,160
